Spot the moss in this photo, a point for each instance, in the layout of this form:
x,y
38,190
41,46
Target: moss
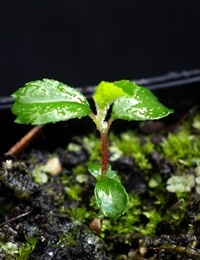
x,y
177,212
172,187
133,220
73,192
93,145
81,169
183,146
18,251
67,239
159,202
82,174
26,248
142,216
9,250
180,184
39,176
79,214
130,143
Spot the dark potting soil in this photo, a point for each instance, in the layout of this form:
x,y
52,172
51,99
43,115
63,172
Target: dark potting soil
x,y
46,210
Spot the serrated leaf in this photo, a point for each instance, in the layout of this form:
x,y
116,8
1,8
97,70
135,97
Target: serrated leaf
x,y
111,197
141,105
48,100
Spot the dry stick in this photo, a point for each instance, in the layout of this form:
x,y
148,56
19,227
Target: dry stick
x,y
24,141
15,218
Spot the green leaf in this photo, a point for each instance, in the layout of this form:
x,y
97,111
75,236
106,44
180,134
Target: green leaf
x,y
112,174
111,197
107,92
95,171
140,104
48,100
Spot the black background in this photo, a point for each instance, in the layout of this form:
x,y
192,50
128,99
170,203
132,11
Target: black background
x,y
83,42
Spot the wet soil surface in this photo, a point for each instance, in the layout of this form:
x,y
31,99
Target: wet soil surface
x,y
31,211
51,220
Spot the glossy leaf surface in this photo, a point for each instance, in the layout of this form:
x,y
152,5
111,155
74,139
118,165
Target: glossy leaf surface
x,y
95,171
111,197
47,100
140,104
107,92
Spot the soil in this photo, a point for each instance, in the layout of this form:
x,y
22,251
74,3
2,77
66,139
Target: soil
x,y
49,218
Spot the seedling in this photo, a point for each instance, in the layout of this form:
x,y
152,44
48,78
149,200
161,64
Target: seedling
x,y
44,101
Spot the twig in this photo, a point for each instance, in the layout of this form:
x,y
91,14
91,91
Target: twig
x,y
24,141
15,218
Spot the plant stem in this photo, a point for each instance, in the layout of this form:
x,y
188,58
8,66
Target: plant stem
x,y
103,127
104,151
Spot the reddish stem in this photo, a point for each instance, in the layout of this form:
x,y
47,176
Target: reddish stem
x,y
104,151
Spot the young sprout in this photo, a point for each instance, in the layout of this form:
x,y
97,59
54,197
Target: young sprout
x,y
44,101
